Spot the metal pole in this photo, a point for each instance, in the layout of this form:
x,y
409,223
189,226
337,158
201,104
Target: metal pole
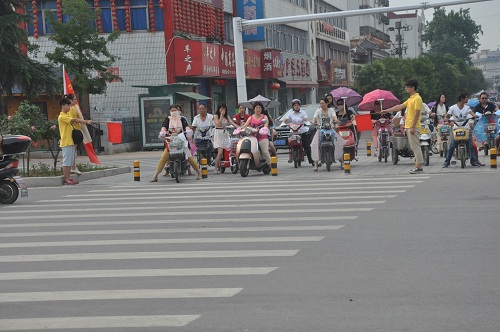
x,y
241,84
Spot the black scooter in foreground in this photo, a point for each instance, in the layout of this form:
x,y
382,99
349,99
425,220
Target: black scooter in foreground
x,y
11,184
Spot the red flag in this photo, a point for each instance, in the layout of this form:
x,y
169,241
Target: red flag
x,y
87,140
364,122
114,132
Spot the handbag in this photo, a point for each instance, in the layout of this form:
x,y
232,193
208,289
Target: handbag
x,y
77,136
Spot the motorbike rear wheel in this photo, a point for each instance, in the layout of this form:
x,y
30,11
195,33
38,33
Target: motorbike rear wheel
x,y
385,152
328,159
444,150
234,165
296,160
395,157
425,153
244,167
461,155
177,171
491,144
8,192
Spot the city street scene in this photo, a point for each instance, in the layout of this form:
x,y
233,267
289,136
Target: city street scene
x,y
288,165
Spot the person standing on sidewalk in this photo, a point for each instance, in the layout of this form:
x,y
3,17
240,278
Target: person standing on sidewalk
x,y
65,122
413,107
74,114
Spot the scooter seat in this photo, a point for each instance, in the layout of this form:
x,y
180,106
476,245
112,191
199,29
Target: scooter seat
x,y
396,134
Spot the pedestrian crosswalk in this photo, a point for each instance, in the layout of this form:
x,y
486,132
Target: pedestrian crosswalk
x,y
112,257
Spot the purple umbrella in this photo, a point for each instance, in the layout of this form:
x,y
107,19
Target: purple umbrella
x,y
432,103
349,96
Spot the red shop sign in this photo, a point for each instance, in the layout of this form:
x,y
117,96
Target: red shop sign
x,y
271,63
194,58
227,62
253,68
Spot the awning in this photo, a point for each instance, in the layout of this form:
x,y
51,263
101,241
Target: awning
x,y
194,95
299,84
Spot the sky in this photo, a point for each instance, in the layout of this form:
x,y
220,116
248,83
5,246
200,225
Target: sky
x,y
485,14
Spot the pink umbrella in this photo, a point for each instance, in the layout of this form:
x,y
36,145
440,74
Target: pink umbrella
x,y
386,99
349,96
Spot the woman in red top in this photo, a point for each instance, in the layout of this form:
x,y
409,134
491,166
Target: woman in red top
x,y
255,121
242,116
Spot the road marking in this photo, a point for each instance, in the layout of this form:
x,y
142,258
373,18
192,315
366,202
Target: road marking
x,y
147,255
162,241
175,221
119,294
247,190
228,271
174,213
137,200
274,186
170,205
96,322
176,230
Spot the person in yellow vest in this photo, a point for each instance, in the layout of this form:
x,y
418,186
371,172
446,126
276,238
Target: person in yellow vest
x,y
74,115
413,112
65,122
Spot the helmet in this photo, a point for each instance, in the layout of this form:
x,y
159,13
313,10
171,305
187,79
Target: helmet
x,y
296,101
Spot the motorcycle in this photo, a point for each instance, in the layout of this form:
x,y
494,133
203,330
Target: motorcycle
x,y
248,152
490,129
350,145
425,139
11,185
326,145
384,138
178,164
461,136
204,145
228,159
295,148
444,133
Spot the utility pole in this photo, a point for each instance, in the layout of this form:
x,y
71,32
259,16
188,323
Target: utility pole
x,y
399,37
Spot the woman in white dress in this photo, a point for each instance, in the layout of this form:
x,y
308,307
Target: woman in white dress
x,y
221,135
322,115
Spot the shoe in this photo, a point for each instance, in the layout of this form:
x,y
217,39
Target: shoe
x,y
76,171
290,161
216,172
153,180
70,182
482,164
445,165
198,176
416,170
475,165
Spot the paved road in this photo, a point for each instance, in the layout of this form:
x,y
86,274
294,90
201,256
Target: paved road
x,y
376,250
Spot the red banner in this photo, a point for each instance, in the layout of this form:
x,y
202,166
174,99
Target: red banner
x,y
253,67
227,62
271,63
194,58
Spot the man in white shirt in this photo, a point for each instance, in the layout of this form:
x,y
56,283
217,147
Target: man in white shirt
x,y
203,139
459,111
299,116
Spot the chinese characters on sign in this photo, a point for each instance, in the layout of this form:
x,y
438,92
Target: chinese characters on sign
x,y
271,63
251,10
295,66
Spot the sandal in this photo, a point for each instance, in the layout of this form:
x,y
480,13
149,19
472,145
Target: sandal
x,y
153,180
198,176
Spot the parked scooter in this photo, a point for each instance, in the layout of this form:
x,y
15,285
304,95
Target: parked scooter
x,y
248,151
350,145
204,145
11,185
295,148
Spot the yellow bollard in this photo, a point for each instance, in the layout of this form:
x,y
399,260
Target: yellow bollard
x,y
347,163
493,158
137,171
274,166
204,169
368,148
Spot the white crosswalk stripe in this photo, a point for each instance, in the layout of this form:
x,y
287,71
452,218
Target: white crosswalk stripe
x,y
63,245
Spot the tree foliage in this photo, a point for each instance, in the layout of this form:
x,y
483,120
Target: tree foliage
x,y
81,49
17,69
435,74
456,34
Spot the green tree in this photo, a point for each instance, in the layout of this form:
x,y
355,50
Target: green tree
x,y
456,34
17,69
82,50
31,122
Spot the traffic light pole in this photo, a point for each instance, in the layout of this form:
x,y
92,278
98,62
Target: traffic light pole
x,y
239,25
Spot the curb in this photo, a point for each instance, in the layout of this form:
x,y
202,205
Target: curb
x,y
55,181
